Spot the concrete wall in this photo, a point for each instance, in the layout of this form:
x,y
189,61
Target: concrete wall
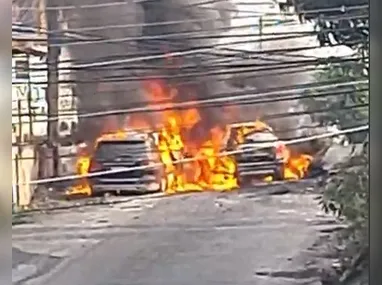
x,y
22,90
25,170
27,127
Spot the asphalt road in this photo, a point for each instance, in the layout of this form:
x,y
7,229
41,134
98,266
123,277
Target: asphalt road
x,y
205,238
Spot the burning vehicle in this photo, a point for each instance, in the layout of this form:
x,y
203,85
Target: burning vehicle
x,y
115,151
172,156
260,154
236,157
135,150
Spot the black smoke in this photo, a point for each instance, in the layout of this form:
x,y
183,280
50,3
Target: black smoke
x,y
185,17
192,18
191,24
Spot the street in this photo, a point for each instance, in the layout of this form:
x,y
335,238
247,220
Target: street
x,y
204,238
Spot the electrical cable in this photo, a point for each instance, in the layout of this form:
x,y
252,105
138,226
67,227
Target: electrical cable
x,y
180,36
136,25
209,103
230,97
107,5
178,84
170,54
186,160
213,73
80,31
198,35
341,9
209,50
273,98
192,70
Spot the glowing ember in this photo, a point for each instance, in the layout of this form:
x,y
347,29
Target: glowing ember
x,y
191,164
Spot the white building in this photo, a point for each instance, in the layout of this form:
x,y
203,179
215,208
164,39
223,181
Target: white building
x,y
30,112
29,107
29,84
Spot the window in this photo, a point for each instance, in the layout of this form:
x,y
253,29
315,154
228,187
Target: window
x,y
22,69
73,127
64,126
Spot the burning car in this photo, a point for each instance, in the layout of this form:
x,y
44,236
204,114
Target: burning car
x,y
259,154
124,150
190,151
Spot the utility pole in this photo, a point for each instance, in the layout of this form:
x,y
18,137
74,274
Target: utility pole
x,y
30,112
261,32
52,88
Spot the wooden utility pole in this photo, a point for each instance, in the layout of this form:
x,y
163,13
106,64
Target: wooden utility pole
x,y
29,98
52,88
41,16
261,32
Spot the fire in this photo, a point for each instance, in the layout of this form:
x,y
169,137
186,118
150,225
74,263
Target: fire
x,y
245,130
82,187
296,166
204,169
189,163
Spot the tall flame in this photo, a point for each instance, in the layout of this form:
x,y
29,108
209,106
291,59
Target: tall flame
x,y
208,170
191,164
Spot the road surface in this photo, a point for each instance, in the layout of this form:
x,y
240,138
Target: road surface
x,y
205,238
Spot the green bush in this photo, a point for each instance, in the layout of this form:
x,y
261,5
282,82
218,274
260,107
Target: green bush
x,y
346,193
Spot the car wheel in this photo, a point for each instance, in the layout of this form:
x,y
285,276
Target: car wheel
x,y
245,182
279,173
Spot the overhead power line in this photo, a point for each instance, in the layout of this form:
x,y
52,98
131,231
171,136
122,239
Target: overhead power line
x,y
342,8
302,69
112,4
27,28
178,84
190,35
225,153
277,99
216,48
234,71
210,67
265,20
220,99
219,50
189,76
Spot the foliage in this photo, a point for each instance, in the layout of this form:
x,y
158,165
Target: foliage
x,y
344,105
347,193
346,72
331,8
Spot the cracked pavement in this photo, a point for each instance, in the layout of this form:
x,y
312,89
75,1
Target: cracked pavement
x,y
204,238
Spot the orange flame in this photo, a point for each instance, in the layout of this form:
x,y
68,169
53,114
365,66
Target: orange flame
x,y
208,170
296,166
82,166
191,165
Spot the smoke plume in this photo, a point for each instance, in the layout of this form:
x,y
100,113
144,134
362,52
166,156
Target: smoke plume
x,y
192,17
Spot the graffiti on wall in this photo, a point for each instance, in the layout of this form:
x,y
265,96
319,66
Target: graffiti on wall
x,y
20,93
